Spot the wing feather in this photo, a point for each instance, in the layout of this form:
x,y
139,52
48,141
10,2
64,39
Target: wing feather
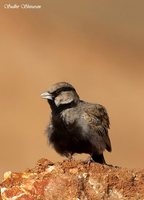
x,y
99,120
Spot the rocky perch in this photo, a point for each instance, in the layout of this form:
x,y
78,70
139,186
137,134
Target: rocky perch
x,y
72,180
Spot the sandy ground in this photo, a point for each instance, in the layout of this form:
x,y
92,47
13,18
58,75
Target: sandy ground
x,y
98,47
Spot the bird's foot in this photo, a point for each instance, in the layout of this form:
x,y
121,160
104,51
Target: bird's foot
x,y
88,161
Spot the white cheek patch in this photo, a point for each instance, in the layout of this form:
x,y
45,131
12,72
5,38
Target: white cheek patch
x,y
62,99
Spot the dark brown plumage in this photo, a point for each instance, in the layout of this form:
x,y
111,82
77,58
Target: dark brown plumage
x,y
76,126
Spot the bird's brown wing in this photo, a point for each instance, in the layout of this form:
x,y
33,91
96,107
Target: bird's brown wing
x,y
99,120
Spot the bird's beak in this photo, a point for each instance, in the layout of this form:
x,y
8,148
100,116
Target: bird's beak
x,y
46,95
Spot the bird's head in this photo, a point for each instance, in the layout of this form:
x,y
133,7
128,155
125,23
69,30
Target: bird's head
x,y
60,96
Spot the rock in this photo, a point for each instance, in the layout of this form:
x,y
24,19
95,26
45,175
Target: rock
x,y
72,180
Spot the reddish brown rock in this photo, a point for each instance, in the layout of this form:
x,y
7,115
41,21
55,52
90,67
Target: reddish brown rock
x,y
73,180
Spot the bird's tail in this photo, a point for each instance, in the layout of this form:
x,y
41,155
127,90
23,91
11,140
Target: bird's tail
x,y
99,158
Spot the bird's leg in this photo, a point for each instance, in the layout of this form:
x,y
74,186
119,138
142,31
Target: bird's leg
x,y
69,157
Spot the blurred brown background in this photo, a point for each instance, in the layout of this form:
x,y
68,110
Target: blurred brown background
x,y
97,46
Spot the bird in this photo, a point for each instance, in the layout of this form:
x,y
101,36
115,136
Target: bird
x,y
76,126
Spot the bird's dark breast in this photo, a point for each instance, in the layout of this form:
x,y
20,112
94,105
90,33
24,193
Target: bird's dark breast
x,y
68,140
